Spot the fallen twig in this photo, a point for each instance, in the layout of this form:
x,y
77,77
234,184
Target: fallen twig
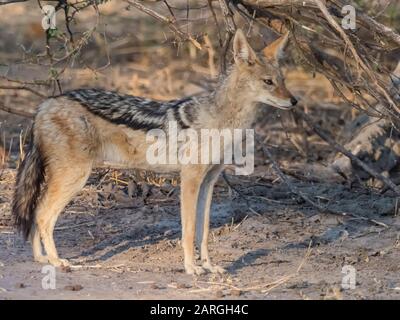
x,y
241,195
286,180
305,197
75,226
265,287
325,136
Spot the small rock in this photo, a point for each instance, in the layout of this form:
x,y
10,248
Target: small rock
x,y
20,285
183,286
156,286
132,189
299,285
167,187
219,294
315,218
66,269
145,190
168,233
236,292
75,287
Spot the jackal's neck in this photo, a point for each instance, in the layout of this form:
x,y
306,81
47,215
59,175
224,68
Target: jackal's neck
x,y
232,106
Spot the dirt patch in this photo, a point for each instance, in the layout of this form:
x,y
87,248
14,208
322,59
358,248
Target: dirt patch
x,y
131,249
123,230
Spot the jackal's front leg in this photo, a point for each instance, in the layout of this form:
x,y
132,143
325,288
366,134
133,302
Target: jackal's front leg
x,y
191,179
203,210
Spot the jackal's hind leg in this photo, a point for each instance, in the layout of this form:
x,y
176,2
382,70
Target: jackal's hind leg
x,y
37,246
63,183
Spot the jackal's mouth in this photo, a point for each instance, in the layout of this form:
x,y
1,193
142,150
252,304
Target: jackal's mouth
x,y
282,104
284,107
279,106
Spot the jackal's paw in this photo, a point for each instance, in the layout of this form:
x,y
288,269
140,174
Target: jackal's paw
x,y
213,269
193,269
41,259
57,262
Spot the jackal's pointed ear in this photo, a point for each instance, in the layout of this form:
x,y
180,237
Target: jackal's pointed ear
x,y
276,50
242,51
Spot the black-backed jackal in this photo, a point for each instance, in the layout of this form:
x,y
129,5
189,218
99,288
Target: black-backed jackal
x,y
85,128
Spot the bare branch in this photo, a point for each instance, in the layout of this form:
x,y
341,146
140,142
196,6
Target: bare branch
x,y
380,28
24,88
353,50
183,36
19,112
3,2
336,146
286,180
316,26
293,189
280,3
228,16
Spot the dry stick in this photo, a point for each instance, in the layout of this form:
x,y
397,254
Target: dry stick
x,y
24,88
346,39
241,195
228,16
353,50
266,287
21,113
230,30
296,191
311,5
169,22
211,55
285,179
3,2
325,136
210,5
380,28
224,51
280,3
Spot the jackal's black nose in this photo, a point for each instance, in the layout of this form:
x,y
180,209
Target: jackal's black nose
x,y
293,101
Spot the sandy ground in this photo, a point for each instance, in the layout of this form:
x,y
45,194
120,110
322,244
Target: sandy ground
x,y
125,241
129,248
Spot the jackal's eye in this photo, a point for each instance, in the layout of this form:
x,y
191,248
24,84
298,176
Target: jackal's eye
x,y
268,82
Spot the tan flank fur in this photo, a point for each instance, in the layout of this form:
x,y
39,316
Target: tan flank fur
x,y
87,128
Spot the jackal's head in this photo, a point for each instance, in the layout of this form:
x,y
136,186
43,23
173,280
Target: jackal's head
x,y
260,78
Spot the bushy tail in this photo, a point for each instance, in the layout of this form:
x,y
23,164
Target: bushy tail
x,y
30,178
